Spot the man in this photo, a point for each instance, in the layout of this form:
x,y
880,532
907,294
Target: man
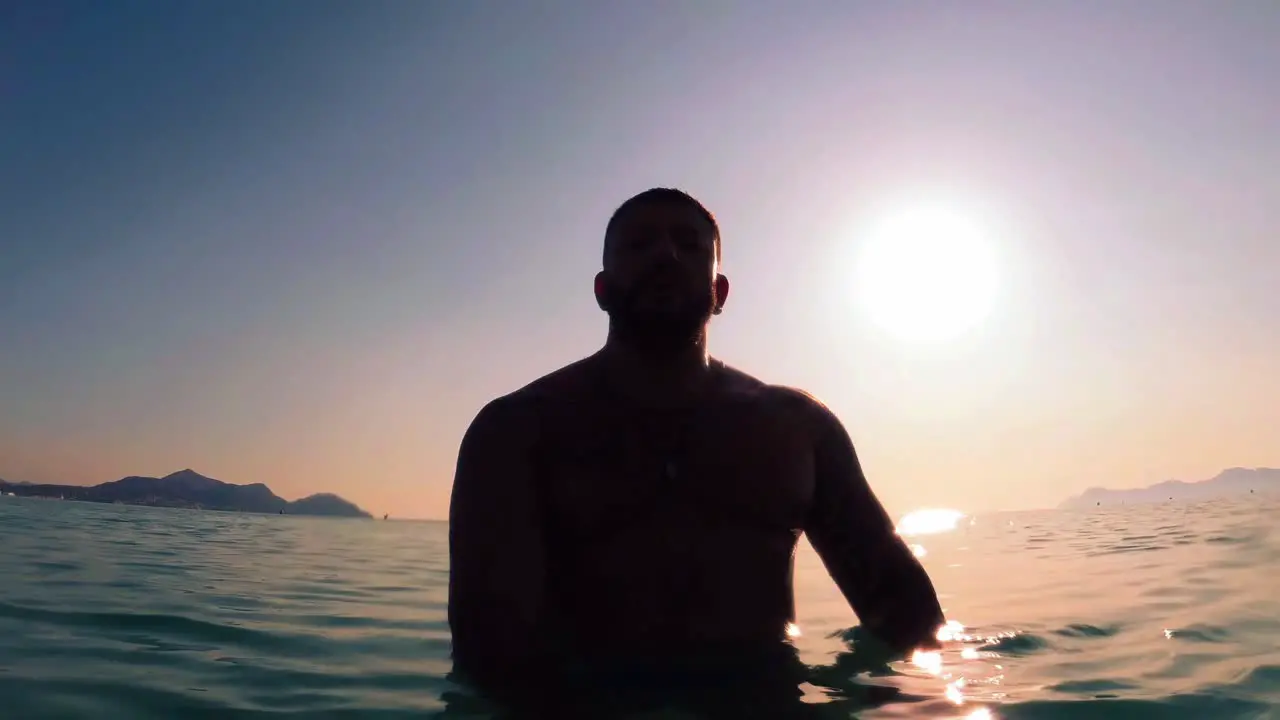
x,y
641,507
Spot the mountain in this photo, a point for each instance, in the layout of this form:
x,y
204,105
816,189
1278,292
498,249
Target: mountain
x,y
325,504
1228,483
190,489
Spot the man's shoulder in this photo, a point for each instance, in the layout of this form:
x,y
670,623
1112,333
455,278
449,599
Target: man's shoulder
x,y
795,404
569,381
800,399
806,409
783,397
528,403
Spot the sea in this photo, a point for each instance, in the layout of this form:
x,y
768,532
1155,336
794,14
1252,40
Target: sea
x,y
107,611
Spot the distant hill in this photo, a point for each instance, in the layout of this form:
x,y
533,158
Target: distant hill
x,y
1228,483
190,489
325,504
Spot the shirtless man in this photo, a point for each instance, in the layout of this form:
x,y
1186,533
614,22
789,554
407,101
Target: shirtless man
x,y
650,497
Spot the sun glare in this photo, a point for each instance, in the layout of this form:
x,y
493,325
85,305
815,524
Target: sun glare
x,y
929,521
927,274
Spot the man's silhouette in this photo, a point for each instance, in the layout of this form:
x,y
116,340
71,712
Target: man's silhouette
x,y
640,508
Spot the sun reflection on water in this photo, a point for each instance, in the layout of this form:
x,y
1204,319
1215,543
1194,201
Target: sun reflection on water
x,y
952,631
949,663
943,664
928,660
929,521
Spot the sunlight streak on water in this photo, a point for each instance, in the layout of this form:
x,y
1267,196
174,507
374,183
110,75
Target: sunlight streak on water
x,y
951,631
929,521
928,660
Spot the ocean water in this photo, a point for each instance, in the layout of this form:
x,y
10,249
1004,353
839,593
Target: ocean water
x,y
1161,611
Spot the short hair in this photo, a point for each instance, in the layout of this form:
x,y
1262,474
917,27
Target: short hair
x,y
659,195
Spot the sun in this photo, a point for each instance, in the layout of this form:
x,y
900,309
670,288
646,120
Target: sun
x,y
927,274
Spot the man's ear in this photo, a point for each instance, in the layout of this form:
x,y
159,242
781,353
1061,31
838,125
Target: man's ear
x,y
602,291
722,292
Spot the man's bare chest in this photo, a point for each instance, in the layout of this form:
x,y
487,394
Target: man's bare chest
x,y
736,463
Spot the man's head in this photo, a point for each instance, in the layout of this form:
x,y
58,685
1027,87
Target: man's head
x,y
661,283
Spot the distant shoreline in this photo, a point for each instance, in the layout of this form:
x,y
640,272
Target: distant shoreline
x,y
189,490
188,508
1230,483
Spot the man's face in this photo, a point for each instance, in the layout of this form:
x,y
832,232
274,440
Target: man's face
x,y
659,280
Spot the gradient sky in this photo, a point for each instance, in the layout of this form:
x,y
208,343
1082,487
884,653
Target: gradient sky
x,y
301,243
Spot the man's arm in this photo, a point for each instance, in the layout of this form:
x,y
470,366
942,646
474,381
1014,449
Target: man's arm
x,y
875,570
496,565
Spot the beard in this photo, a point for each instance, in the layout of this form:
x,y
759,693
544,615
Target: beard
x,y
659,330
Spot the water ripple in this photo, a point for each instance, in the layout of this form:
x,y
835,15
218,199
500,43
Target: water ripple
x,y
1142,612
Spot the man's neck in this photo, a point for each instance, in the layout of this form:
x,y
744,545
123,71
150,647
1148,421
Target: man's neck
x,y
656,377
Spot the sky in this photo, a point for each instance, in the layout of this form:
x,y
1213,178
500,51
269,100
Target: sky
x,y
302,243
